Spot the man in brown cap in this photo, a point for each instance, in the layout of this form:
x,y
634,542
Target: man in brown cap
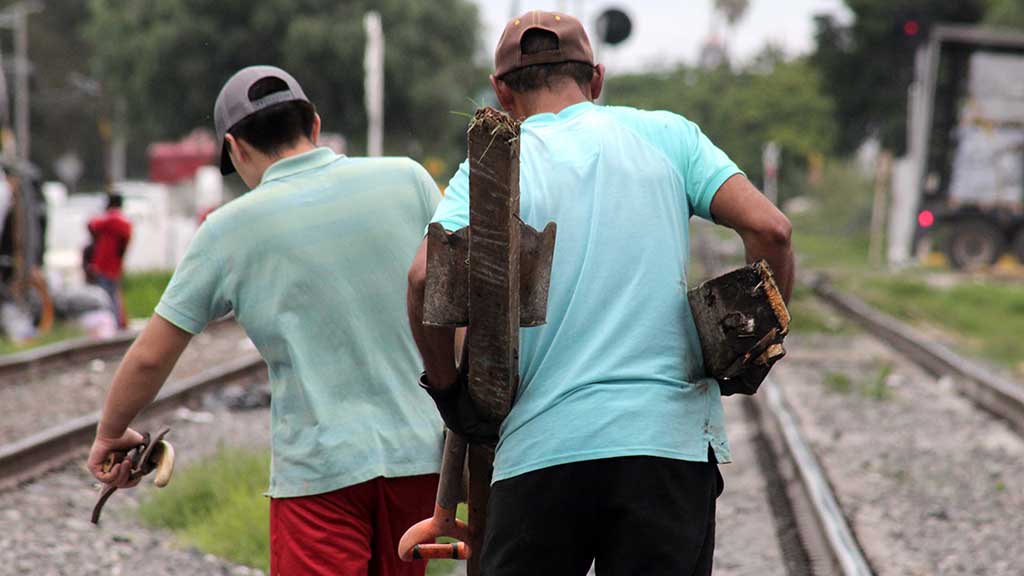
x,y
610,452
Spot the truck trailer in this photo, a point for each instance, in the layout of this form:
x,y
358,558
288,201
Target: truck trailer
x,y
962,181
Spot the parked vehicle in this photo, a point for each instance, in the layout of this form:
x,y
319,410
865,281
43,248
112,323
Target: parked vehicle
x,y
966,142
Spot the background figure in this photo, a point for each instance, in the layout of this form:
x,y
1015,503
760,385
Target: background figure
x,y
111,232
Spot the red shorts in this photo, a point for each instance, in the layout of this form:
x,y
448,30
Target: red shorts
x,y
353,531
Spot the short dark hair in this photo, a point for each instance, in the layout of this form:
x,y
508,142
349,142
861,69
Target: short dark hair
x,y
115,200
537,76
273,129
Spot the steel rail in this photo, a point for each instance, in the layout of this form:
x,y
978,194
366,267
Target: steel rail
x,y
35,360
29,457
997,395
824,530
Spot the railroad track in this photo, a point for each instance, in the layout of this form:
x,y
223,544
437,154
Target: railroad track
x,y
28,457
989,391
813,533
30,363
824,543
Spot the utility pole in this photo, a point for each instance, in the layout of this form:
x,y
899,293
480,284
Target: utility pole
x,y
373,64
15,18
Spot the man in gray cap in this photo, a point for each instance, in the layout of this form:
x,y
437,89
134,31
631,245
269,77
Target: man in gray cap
x,y
313,263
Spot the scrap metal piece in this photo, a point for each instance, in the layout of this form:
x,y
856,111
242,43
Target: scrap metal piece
x,y
156,454
493,332
536,251
446,296
418,542
492,276
742,320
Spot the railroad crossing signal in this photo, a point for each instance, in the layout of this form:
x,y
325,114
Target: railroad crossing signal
x,y
613,26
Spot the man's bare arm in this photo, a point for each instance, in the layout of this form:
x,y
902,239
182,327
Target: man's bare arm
x,y
764,229
436,345
137,381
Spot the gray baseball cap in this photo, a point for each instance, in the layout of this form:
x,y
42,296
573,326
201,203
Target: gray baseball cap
x,y
233,104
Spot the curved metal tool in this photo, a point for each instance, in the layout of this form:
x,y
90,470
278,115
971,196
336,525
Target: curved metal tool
x,y
418,542
156,454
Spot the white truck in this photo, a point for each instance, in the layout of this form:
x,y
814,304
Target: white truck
x,y
962,181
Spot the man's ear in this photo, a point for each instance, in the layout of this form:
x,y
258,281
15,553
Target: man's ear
x,y
504,94
597,82
314,136
236,150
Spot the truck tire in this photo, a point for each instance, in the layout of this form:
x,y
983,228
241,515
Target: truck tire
x,y
1018,245
975,244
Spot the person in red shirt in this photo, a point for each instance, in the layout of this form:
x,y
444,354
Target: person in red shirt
x,y
110,233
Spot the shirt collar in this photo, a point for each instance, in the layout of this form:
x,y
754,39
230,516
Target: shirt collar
x,y
566,113
292,165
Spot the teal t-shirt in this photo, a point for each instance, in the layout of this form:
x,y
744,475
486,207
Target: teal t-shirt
x,y
617,370
314,262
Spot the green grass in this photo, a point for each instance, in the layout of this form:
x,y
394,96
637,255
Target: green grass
x,y
984,317
838,382
58,333
874,387
142,291
828,252
218,506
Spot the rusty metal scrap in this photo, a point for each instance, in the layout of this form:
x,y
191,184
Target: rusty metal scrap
x,y
492,276
741,319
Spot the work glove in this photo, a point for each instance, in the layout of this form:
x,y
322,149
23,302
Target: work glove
x,y
458,410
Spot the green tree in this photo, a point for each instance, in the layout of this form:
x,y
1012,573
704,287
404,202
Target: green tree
x,y
868,65
770,100
168,59
1006,13
65,102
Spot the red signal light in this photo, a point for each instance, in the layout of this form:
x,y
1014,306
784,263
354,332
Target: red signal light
x,y
926,219
911,28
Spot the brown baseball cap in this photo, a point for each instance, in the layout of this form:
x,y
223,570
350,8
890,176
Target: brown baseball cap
x,y
573,44
233,104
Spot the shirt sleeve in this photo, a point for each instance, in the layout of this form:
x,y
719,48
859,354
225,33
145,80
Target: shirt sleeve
x,y
701,165
429,193
453,211
705,168
196,293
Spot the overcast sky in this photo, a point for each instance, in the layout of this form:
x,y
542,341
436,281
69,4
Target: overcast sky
x,y
666,32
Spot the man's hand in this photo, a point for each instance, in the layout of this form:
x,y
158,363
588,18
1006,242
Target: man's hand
x,y
137,381
103,448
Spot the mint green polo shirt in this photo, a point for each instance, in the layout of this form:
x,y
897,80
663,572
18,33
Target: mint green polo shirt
x,y
314,264
617,370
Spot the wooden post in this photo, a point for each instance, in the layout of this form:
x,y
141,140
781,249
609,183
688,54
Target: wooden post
x,y
883,176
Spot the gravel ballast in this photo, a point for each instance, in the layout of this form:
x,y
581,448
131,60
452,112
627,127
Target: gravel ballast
x,y
37,403
930,483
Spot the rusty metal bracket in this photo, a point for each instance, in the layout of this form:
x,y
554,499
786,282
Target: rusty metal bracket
x,y
493,277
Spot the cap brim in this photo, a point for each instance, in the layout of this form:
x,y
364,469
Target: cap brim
x,y
226,165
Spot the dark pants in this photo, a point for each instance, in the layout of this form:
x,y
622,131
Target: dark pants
x,y
635,515
112,288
